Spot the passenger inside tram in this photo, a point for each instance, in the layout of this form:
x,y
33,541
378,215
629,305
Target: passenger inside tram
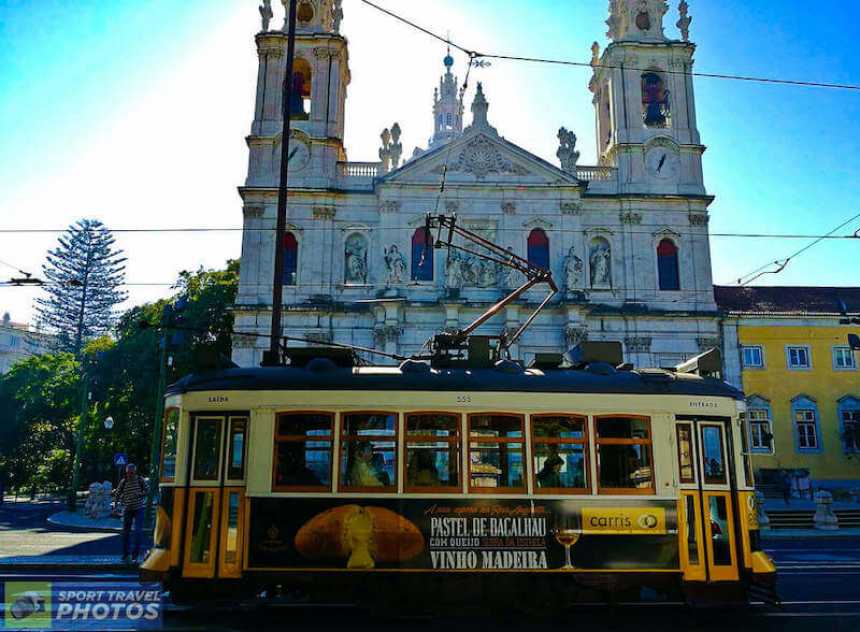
x,y
364,472
550,473
292,468
421,471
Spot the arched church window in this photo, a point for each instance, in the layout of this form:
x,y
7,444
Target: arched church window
x,y
300,95
538,248
667,265
600,263
355,260
291,259
655,100
422,255
305,12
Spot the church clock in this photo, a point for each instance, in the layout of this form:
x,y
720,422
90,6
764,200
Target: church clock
x,y
299,155
662,163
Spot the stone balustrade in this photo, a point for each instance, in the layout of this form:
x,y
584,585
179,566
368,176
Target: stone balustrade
x,y
591,173
359,169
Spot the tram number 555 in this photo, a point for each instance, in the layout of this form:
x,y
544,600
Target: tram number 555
x,y
464,399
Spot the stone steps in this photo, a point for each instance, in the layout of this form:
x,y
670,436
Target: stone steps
x,y
791,519
848,518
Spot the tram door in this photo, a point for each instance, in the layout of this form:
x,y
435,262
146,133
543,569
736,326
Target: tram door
x,y
707,492
213,543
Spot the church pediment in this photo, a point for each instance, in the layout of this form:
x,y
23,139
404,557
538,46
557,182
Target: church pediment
x,y
480,157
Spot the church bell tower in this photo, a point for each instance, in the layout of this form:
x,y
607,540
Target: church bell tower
x,y
644,102
320,76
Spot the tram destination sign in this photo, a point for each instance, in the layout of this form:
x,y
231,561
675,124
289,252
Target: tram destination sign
x,y
462,535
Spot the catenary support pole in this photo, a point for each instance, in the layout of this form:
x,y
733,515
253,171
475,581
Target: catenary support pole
x,y
157,428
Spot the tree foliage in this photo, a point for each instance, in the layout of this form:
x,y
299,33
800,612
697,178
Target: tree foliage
x,y
84,276
41,396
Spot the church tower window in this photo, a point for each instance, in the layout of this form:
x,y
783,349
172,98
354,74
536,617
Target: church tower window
x,y
422,255
291,259
667,265
538,248
300,97
655,101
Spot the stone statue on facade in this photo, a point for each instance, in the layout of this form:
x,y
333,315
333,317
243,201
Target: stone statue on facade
x,y
266,14
683,23
572,270
600,264
392,148
507,275
454,271
395,266
355,254
567,154
336,15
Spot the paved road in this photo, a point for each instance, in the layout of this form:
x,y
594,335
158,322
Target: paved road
x,y
819,581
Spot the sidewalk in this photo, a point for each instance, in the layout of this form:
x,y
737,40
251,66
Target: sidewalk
x,y
75,520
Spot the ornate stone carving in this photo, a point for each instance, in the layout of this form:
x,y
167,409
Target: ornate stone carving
x,y
683,22
392,148
575,334
698,219
708,342
383,334
572,270
467,270
509,208
453,271
567,154
253,212
570,208
271,50
323,212
266,14
389,206
629,217
395,266
638,344
336,15
508,277
355,260
600,264
480,157
321,52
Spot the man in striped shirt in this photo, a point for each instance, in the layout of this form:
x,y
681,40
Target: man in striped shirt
x,y
131,493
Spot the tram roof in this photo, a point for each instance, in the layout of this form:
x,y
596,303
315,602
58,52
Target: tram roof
x,y
384,378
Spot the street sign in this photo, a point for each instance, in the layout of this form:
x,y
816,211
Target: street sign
x,y
120,459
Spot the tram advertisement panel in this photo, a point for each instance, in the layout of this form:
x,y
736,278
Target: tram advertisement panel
x,y
456,535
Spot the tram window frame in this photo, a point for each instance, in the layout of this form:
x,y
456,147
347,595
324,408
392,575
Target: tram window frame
x,y
522,440
236,474
164,437
218,420
548,441
454,442
691,440
647,443
343,449
303,439
709,479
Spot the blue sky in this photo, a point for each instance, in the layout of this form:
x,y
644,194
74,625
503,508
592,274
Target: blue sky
x,y
135,113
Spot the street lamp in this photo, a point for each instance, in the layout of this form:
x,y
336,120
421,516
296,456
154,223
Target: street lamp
x,y
108,423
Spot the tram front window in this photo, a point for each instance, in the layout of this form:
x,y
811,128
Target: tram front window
x,y
369,452
496,453
303,448
560,448
432,452
624,454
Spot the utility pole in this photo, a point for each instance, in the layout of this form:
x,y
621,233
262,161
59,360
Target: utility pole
x,y
79,435
272,357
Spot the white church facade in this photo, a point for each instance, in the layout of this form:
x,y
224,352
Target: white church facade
x,y
626,239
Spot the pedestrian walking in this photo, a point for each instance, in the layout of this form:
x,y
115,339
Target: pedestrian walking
x,y
131,493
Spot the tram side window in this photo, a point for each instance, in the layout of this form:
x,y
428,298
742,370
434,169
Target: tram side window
x,y
368,454
559,454
432,452
236,447
685,453
303,452
168,445
714,459
496,453
624,463
207,448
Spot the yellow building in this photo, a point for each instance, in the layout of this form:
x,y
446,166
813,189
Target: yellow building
x,y
787,347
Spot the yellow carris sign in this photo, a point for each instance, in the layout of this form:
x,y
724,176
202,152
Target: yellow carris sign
x,y
633,520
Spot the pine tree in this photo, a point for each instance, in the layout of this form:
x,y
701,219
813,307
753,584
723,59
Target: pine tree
x,y
84,276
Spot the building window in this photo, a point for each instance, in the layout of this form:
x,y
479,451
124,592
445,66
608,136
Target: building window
x,y
843,358
624,463
849,417
433,452
667,265
538,248
761,437
753,357
804,412
655,101
368,454
496,453
559,454
291,259
422,255
798,357
303,452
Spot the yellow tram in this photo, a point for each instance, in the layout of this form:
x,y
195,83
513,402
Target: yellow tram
x,y
427,482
